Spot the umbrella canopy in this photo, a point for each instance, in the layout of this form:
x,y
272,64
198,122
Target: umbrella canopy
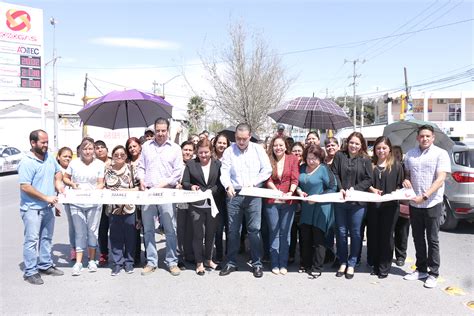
x,y
312,113
125,109
230,133
404,133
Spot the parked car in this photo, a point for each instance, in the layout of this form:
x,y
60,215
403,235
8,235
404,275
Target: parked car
x,y
9,158
459,187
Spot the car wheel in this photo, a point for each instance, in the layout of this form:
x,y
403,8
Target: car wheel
x,y
447,220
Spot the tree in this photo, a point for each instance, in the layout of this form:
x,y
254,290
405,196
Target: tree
x,y
196,109
369,105
216,126
247,84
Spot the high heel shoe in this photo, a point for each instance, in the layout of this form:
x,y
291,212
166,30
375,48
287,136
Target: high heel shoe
x,y
341,271
200,270
210,265
349,275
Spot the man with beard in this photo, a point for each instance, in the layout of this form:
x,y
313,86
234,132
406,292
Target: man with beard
x,y
39,176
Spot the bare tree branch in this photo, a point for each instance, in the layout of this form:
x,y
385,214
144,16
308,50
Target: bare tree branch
x,y
247,83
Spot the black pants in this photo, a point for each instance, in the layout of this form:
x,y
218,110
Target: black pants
x,y
314,247
427,250
104,232
222,226
295,237
402,229
184,234
123,236
381,219
204,227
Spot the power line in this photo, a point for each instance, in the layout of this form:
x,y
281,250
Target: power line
x,y
409,35
357,43
400,27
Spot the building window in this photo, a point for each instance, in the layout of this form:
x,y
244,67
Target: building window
x,y
454,111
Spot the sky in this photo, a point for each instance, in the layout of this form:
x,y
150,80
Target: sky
x,y
135,43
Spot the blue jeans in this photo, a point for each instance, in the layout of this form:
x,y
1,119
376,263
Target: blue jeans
x,y
86,226
348,220
279,219
123,239
38,233
167,214
252,208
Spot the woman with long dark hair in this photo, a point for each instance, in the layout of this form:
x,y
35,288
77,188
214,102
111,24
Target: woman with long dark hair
x,y
64,157
280,214
353,170
387,177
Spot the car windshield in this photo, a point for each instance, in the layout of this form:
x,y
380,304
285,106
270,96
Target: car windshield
x,y
464,158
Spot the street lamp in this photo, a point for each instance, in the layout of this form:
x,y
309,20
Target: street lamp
x,y
55,88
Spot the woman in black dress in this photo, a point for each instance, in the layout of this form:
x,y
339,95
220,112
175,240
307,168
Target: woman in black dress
x,y
381,217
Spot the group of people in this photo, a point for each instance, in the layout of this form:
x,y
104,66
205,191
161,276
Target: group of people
x,y
273,226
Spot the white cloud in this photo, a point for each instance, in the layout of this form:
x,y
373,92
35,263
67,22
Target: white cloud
x,y
135,43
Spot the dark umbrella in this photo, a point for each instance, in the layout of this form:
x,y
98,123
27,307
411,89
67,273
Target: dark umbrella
x,y
312,113
403,134
230,133
125,109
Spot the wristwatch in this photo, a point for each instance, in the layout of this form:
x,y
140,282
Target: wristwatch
x,y
425,197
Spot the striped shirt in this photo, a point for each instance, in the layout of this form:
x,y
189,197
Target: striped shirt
x,y
250,167
423,167
160,163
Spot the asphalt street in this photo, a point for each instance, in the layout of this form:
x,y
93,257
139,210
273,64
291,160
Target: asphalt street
x,y
238,293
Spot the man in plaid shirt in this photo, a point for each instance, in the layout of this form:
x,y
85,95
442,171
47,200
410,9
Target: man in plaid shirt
x,y
426,167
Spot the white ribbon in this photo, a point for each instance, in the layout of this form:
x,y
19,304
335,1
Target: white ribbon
x,y
351,196
152,196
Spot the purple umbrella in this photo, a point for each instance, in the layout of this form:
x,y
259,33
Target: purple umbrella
x,y
125,109
312,113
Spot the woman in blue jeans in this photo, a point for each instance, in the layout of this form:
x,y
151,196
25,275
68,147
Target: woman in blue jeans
x,y
353,170
284,178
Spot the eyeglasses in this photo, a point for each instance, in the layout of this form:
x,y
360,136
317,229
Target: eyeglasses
x,y
120,156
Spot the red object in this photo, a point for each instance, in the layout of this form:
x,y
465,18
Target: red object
x,y
463,210
462,177
290,175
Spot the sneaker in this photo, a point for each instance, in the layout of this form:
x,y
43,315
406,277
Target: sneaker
x,y
92,266
283,271
276,271
400,262
103,260
431,282
34,279
148,270
175,271
72,255
52,271
415,275
76,269
128,269
116,270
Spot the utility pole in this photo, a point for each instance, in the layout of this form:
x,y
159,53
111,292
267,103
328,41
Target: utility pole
x,y
353,84
155,84
84,102
408,100
53,22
